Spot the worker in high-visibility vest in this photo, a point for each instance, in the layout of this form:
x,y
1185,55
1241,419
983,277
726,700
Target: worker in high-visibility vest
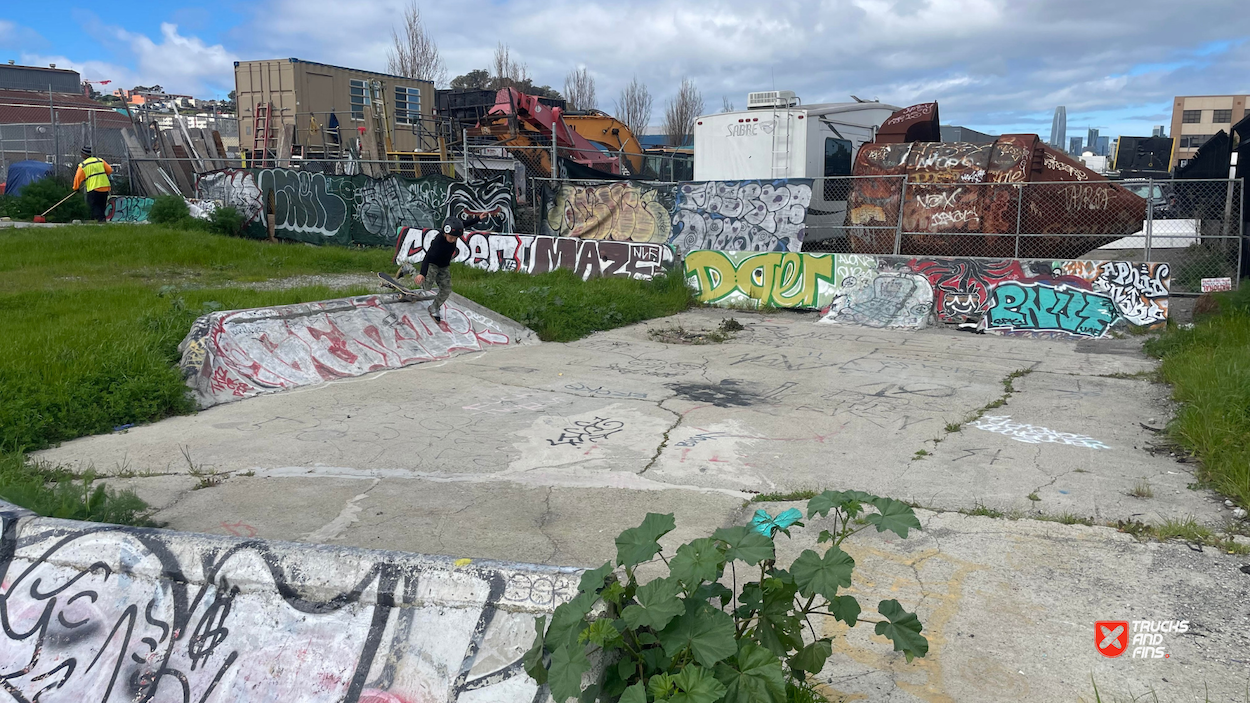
x,y
94,173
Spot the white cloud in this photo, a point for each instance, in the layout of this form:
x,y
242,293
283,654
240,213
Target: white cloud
x,y
179,63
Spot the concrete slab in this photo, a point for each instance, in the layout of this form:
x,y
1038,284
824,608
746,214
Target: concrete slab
x,y
1009,609
787,404
545,453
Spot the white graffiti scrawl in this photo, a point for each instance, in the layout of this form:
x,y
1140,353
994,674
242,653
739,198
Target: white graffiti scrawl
x,y
741,215
1033,434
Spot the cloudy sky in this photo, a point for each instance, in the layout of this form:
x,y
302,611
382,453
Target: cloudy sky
x,y
994,65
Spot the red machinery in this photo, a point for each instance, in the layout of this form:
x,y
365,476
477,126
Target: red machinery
x,y
518,119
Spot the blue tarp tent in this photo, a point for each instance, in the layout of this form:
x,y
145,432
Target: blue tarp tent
x,y
23,172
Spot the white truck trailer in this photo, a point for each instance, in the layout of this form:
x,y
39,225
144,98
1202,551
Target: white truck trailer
x,y
777,137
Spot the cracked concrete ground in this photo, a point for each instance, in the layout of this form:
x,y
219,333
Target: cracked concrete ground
x,y
545,453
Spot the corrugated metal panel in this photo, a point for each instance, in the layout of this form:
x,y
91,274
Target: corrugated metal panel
x,y
42,79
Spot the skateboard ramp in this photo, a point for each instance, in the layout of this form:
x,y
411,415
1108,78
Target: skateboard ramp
x,y
103,612
236,354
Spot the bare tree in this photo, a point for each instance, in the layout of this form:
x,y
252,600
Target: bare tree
x,y
725,104
579,90
681,112
507,72
414,53
634,107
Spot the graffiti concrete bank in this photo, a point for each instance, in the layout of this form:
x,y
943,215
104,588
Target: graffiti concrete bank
x,y
236,354
1009,296
99,613
587,258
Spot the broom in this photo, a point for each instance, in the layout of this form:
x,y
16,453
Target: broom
x,y
40,218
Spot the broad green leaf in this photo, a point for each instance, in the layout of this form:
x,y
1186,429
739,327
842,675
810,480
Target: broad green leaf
x,y
534,657
593,580
697,685
823,575
750,600
613,593
639,544
568,620
778,628
895,516
698,561
634,694
654,660
753,675
627,667
845,608
812,657
903,629
706,631
745,544
851,502
568,663
661,686
601,633
657,605
708,591
767,525
825,536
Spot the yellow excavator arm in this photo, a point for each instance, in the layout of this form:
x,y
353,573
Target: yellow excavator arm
x,y
602,128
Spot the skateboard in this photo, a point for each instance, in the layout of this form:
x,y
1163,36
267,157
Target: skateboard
x,y
407,293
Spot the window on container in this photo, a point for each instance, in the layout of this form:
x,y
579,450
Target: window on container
x,y
360,99
1191,116
407,105
837,163
1222,116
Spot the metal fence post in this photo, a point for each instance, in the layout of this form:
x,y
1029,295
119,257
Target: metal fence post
x,y
464,141
898,229
1019,214
1150,216
1241,234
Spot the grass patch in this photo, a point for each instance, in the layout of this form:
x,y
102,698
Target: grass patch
x,y
982,511
1142,489
560,307
60,494
801,494
1208,366
724,332
1186,530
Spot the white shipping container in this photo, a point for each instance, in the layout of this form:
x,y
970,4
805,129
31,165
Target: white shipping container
x,y
790,141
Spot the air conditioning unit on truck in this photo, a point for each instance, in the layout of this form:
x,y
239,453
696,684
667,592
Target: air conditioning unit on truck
x,y
779,137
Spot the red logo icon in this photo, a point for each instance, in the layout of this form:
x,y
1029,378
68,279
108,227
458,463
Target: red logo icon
x,y
1111,637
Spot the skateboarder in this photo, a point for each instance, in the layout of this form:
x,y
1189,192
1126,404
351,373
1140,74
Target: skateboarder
x,y
437,262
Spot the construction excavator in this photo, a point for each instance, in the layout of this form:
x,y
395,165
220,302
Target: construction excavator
x,y
521,123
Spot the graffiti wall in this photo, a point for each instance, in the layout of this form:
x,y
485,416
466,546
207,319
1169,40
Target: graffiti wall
x,y
1007,296
322,208
625,212
721,215
515,252
128,208
237,354
106,613
741,215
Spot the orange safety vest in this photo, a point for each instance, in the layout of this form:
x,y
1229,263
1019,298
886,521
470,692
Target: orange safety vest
x,y
93,169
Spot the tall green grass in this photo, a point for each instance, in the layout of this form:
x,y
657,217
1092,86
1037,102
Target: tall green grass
x,y
1208,366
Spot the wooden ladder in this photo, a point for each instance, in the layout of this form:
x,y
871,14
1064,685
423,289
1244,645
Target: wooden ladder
x,y
262,135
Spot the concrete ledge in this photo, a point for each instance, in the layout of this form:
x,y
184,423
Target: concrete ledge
x,y
149,614
236,354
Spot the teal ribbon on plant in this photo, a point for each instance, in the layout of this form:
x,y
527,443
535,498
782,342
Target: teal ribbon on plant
x,y
768,525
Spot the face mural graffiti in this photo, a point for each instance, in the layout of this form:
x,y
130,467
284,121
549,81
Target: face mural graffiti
x,y
1076,299
741,215
515,252
327,209
626,212
490,198
105,613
